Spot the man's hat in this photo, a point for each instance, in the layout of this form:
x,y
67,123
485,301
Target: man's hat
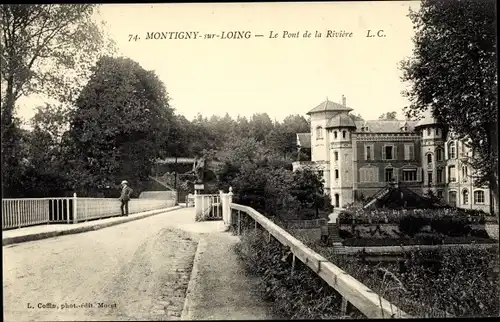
x,y
124,182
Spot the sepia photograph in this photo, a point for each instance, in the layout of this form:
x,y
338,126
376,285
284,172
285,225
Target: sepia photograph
x,y
249,160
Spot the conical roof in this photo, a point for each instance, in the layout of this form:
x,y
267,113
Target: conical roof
x,y
327,106
341,120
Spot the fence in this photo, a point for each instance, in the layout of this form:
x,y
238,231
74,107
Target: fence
x,y
17,213
352,291
208,207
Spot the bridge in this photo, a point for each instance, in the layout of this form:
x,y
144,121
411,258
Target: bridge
x,y
162,262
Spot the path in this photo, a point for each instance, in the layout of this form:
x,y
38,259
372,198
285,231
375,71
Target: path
x,y
138,270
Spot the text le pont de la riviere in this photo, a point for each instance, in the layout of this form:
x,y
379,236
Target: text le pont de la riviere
x,y
242,34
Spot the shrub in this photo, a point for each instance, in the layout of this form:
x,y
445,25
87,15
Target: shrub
x,y
451,226
410,225
429,238
301,295
462,282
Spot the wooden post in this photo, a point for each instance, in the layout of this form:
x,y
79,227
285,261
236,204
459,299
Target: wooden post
x,y
268,237
293,263
343,307
255,224
239,222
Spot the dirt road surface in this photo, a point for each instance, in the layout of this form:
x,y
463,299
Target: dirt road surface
x,y
134,271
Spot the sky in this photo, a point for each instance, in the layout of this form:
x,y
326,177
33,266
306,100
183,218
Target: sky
x,y
279,76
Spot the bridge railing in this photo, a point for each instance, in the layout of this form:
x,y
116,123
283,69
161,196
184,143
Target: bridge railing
x,y
23,212
352,291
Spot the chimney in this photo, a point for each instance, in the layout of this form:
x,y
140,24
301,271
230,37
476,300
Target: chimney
x,y
343,100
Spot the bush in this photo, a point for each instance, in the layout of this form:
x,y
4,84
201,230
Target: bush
x,y
462,282
410,225
429,238
451,226
303,295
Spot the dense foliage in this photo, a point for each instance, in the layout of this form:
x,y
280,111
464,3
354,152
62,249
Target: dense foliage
x,y
382,227
262,180
120,123
44,49
453,71
430,283
298,295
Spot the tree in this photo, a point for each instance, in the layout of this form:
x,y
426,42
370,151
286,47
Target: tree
x,y
453,73
43,49
389,116
260,125
120,125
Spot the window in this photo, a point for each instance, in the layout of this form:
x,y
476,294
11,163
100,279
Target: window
x,y
409,174
452,153
409,151
438,132
465,197
439,176
369,152
336,154
319,132
429,158
439,154
343,134
429,178
464,172
451,174
428,131
388,152
335,134
389,174
336,173
440,194
479,197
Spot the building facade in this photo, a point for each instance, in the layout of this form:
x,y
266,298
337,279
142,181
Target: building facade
x,y
359,158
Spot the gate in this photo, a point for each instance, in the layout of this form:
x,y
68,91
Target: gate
x,y
211,207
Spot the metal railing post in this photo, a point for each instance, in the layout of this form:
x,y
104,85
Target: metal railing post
x,y
18,203
75,219
67,210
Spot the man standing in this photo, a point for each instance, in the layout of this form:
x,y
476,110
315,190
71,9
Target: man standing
x,y
125,197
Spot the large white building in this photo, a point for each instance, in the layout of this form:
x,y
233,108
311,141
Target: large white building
x,y
361,157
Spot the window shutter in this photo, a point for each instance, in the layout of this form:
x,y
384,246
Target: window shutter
x,y
372,152
365,152
395,152
407,152
383,152
396,174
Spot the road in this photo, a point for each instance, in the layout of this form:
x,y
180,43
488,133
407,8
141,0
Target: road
x,y
133,271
